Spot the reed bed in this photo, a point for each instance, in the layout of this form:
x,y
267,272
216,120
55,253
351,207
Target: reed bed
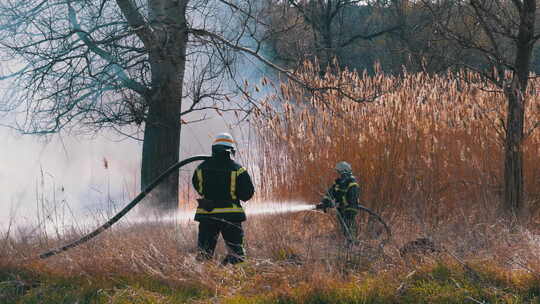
x,y
428,155
428,150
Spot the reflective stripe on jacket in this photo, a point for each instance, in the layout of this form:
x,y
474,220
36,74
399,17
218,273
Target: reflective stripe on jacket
x,y
345,192
225,183
233,209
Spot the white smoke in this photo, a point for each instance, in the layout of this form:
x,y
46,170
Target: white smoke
x,y
82,173
70,172
85,175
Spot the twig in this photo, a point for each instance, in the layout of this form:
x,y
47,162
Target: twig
x,y
468,270
475,300
533,272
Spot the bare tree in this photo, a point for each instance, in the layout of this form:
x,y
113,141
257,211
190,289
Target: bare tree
x,y
93,64
327,29
414,45
503,33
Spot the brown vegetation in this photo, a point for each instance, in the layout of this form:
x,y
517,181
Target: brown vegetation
x,y
429,151
427,154
297,258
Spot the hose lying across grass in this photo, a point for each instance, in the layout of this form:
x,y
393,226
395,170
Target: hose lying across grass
x,y
379,218
372,213
126,209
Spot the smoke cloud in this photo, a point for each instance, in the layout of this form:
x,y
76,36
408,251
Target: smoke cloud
x,y
85,174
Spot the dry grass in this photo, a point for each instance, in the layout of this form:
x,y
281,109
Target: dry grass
x,y
428,156
295,258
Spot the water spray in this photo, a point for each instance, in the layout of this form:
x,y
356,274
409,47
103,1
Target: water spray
x,y
251,210
276,208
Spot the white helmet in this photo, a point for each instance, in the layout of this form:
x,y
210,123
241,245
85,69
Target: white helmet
x,y
224,139
343,167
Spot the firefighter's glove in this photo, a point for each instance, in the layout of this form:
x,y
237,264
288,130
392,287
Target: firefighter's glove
x,y
205,204
328,203
322,207
325,204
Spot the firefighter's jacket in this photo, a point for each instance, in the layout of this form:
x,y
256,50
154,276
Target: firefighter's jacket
x,y
224,183
344,192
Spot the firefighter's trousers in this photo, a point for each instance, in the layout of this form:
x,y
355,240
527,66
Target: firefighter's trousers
x,y
348,223
233,235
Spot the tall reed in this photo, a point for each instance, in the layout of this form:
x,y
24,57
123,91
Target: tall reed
x,y
427,147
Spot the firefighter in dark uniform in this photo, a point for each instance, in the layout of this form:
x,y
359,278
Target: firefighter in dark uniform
x,y
222,184
344,196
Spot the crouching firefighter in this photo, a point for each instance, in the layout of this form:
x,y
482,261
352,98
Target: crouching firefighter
x,y
343,195
222,184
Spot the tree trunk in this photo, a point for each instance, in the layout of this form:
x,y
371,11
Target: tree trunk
x,y
162,130
161,149
513,158
515,94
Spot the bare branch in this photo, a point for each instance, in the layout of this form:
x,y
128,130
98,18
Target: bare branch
x,y
531,130
246,13
136,21
117,69
487,29
370,36
288,73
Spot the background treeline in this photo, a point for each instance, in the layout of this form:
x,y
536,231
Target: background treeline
x,y
397,34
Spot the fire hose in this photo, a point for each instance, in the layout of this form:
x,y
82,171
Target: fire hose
x,y
126,209
372,213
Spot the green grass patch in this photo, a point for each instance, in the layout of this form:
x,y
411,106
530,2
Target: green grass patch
x,y
18,286
433,284
439,283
